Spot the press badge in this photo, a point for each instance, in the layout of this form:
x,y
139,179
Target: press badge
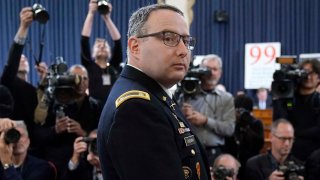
x,y
106,79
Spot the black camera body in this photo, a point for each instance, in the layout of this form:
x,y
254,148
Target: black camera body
x,y
103,7
40,13
286,79
12,136
190,85
221,173
61,84
245,118
92,144
291,170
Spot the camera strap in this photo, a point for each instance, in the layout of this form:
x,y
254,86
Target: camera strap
x,y
39,59
41,46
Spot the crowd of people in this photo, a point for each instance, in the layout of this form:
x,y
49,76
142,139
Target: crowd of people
x,y
113,123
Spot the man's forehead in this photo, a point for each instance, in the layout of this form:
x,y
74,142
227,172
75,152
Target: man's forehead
x,y
164,19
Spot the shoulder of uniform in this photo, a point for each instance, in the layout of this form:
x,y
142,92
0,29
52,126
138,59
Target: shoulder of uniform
x,y
132,94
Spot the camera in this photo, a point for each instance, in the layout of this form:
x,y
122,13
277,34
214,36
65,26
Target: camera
x,y
291,170
40,13
61,85
245,119
103,7
190,85
92,144
221,173
286,79
12,136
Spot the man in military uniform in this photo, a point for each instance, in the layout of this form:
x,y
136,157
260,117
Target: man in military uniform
x,y
142,134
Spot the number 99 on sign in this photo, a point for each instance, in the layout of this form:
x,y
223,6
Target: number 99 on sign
x,y
262,54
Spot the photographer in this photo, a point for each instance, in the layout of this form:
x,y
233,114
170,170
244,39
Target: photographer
x,y
68,117
304,113
277,163
102,67
16,163
225,167
248,138
15,73
211,111
83,166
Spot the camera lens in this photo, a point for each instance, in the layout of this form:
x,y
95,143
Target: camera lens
x,y
40,13
103,7
12,136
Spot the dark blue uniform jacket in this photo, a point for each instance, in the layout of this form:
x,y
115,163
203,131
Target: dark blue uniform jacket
x,y
146,136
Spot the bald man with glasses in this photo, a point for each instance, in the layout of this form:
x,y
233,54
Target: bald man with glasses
x,y
271,165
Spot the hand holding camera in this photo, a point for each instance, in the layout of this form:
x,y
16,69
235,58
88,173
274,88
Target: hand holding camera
x,y
26,17
9,135
81,145
7,127
75,127
292,170
5,150
61,124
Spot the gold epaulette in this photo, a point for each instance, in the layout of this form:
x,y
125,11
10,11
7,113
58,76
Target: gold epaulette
x,y
132,94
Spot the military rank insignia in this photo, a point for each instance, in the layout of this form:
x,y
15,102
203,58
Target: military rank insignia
x,y
132,94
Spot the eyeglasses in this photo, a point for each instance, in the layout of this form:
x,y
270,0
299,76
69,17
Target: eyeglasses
x,y
172,39
284,139
23,72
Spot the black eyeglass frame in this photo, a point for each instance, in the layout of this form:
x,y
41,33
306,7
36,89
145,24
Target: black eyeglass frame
x,y
189,43
284,139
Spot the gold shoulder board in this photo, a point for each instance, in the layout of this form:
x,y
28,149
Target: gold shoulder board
x,y
131,94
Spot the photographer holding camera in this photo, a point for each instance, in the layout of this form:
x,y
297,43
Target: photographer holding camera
x,y
16,162
15,74
84,163
248,138
211,111
225,167
277,163
69,116
304,112
102,65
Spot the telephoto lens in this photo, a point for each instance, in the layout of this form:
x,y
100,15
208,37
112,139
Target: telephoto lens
x,y
40,13
12,136
103,7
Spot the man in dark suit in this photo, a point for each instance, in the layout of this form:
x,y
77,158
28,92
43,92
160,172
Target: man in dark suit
x,y
16,163
276,162
142,134
262,99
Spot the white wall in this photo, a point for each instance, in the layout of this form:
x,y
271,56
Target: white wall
x,y
184,5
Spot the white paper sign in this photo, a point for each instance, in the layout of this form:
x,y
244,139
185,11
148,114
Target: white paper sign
x,y
260,64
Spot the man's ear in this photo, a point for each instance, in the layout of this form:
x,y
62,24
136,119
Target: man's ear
x,y
134,46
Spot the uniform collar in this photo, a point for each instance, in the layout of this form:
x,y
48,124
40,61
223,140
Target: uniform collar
x,y
140,77
168,92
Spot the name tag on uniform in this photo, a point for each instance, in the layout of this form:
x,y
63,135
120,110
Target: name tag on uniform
x,y
189,140
106,79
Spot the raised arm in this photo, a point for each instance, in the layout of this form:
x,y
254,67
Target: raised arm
x,y
11,69
87,26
